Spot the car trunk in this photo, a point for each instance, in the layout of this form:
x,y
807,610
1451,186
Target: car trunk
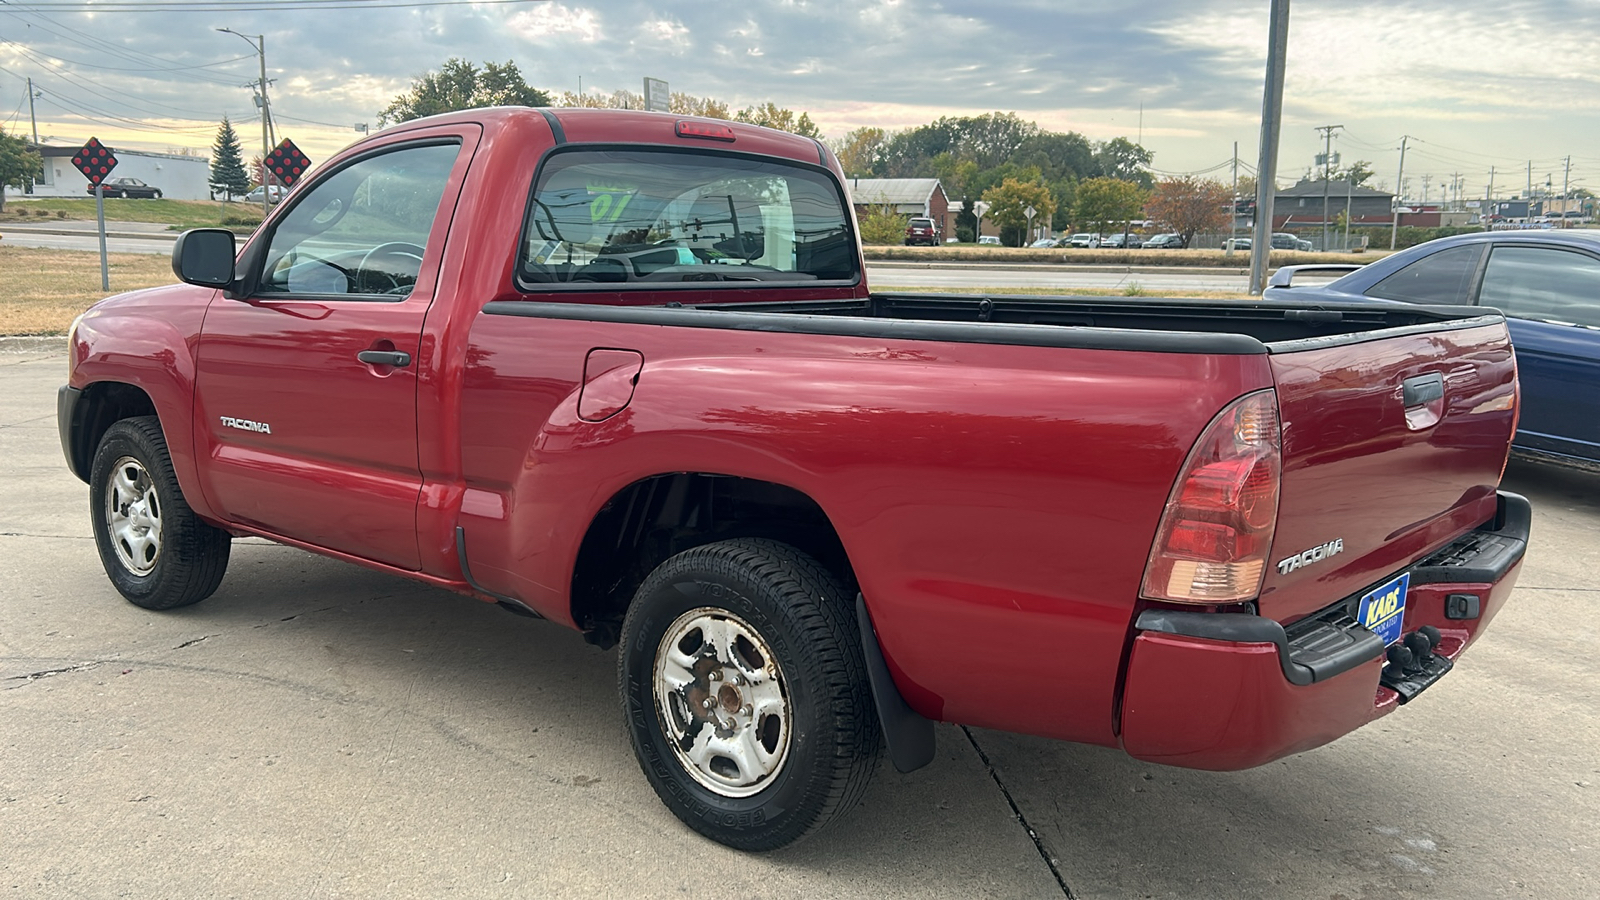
x,y
1393,445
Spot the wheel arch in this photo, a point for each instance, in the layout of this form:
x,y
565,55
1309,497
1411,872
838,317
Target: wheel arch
x,y
656,517
98,406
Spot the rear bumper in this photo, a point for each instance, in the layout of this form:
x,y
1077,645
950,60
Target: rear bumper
x,y
1228,691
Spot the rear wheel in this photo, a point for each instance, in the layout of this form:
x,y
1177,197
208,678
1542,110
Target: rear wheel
x,y
156,551
745,693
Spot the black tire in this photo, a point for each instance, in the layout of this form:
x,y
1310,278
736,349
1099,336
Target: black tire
x,y
189,556
156,196
829,736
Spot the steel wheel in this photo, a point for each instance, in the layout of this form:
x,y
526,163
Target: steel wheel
x,y
722,700
133,516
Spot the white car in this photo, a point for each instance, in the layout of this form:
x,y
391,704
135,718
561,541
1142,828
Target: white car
x,y
272,191
989,239
1084,240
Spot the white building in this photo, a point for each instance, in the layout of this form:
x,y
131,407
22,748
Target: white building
x,y
178,177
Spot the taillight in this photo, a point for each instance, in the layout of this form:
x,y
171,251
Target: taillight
x,y
1216,532
708,130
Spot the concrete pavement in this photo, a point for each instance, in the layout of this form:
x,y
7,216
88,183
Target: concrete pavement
x,y
319,730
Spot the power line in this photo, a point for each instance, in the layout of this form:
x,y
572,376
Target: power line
x,y
94,42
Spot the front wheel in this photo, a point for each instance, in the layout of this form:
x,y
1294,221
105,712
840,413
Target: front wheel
x,y
156,551
745,692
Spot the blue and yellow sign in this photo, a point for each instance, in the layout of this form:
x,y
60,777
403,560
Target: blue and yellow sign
x,y
1383,611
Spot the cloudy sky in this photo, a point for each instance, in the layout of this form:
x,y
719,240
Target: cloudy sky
x,y
1477,84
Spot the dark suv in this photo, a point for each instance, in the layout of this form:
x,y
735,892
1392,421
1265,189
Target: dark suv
x,y
921,230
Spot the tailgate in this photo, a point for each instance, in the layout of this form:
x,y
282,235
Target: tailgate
x,y
1393,444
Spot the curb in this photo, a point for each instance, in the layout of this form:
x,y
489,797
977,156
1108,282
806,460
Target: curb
x,y
68,232
53,343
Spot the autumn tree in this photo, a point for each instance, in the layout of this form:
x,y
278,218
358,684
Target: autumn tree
x,y
461,85
227,163
1102,203
1357,173
20,164
859,151
771,115
1188,205
1008,202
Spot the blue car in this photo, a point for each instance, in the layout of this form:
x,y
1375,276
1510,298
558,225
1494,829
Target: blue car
x,y
1548,285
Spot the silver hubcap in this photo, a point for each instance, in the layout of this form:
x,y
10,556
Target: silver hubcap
x,y
722,700
133,516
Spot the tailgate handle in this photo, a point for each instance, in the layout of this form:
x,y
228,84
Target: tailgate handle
x,y
1422,389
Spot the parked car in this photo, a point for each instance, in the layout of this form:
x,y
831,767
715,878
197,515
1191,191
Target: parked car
x,y
128,187
1044,243
1548,285
989,239
921,230
1238,243
1084,239
1123,241
637,401
1285,241
1164,242
271,191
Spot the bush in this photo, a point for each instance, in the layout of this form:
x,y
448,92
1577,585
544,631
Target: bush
x,y
966,234
1410,235
881,225
61,214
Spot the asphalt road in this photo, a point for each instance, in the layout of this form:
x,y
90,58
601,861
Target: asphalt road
x,y
319,730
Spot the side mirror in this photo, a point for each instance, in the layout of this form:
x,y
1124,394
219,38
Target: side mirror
x,y
204,256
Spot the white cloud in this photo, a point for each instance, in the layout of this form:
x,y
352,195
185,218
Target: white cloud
x,y
555,22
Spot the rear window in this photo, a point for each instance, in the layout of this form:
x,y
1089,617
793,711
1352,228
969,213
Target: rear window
x,y
1441,277
659,217
921,223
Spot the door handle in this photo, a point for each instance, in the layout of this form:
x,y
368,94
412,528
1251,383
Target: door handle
x,y
1422,389
385,357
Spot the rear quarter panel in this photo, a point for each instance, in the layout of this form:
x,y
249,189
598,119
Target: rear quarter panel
x,y
997,502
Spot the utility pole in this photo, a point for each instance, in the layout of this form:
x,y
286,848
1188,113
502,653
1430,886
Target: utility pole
x,y
32,120
1271,120
1233,211
1327,159
1399,187
260,43
1567,178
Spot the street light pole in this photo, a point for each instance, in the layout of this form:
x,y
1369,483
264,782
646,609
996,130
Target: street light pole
x,y
260,45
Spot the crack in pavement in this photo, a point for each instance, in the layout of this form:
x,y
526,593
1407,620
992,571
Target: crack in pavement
x,y
47,673
195,641
1038,844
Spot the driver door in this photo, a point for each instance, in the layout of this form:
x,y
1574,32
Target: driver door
x,y
306,390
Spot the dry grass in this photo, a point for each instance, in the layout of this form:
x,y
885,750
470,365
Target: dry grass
x,y
1108,256
42,291
1133,290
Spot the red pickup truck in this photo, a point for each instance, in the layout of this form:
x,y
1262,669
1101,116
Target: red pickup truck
x,y
622,371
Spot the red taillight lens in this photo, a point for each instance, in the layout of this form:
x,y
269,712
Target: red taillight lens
x,y
708,130
1217,529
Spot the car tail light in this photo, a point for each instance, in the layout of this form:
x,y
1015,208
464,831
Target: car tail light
x,y
1216,532
707,130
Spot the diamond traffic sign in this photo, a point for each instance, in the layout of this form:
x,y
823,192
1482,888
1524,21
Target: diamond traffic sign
x,y
94,160
287,163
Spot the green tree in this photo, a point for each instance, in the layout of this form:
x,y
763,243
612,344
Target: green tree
x,y
1357,173
227,163
1124,160
1008,202
1106,202
1189,204
461,85
19,164
882,225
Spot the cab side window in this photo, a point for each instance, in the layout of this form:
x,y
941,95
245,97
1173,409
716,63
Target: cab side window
x,y
1543,283
362,231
